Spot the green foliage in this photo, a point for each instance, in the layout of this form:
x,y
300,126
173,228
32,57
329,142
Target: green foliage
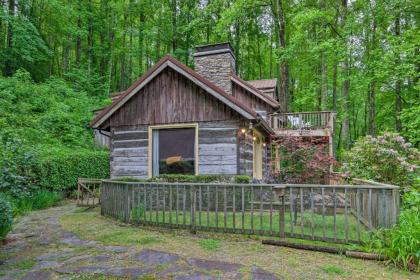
x,y
60,169
137,212
401,244
209,244
387,159
411,118
43,199
182,178
16,168
333,269
6,217
242,179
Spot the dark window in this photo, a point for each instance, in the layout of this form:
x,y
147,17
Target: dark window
x,y
173,151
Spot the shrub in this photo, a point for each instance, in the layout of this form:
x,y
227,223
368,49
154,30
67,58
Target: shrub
x,y
44,199
16,168
387,159
401,244
60,171
6,217
304,160
182,178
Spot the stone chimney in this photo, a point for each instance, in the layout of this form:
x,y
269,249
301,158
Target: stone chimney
x,y
216,63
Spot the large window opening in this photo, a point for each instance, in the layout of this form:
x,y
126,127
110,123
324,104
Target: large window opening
x,y
173,151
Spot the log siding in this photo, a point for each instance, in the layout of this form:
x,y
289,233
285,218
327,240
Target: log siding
x,y
217,150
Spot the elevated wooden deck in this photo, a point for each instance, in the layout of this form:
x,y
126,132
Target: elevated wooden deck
x,y
303,123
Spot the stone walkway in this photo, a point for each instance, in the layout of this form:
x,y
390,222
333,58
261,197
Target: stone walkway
x,y
39,248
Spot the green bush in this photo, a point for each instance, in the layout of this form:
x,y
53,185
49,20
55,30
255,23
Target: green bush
x,y
6,217
401,244
182,178
44,199
387,159
60,171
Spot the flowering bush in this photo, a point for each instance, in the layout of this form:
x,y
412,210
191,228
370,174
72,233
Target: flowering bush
x,y
387,159
304,160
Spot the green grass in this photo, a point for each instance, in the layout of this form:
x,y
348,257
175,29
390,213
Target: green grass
x,y
322,226
333,269
245,249
24,264
209,244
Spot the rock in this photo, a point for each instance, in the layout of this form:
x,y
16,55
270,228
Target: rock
x,y
45,264
214,265
151,257
115,249
37,275
128,272
194,276
67,252
78,242
174,268
261,274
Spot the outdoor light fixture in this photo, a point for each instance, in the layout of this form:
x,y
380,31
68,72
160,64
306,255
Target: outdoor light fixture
x,y
254,138
264,144
243,130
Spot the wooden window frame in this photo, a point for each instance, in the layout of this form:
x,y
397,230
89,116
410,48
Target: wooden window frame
x,y
170,126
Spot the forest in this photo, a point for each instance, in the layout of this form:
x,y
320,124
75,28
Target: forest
x,y
62,59
359,58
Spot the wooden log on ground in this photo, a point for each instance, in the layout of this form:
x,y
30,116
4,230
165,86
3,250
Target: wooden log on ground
x,y
332,250
365,256
325,249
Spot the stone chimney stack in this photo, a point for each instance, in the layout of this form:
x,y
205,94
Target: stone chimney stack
x,y
216,63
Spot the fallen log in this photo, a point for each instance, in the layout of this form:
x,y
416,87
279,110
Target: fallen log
x,y
325,249
364,255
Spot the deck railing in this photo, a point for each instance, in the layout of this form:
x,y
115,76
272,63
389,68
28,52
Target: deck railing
x,y
302,120
334,213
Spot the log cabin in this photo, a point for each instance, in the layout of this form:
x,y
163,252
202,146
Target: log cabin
x,y
174,119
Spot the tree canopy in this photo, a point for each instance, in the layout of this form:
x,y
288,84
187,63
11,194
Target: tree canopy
x,y
359,58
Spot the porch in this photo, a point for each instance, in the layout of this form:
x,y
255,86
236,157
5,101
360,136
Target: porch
x,y
303,123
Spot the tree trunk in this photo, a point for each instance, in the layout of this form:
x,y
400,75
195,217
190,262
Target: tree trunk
x,y
398,125
284,68
8,67
334,87
141,41
324,85
174,28
345,129
78,41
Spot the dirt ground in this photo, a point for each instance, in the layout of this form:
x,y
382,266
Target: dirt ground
x,y
67,242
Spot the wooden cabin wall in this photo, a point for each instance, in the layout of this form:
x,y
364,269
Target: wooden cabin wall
x,y
217,149
249,99
168,99
246,155
129,152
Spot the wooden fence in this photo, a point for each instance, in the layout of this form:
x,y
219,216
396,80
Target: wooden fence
x,y
334,213
88,191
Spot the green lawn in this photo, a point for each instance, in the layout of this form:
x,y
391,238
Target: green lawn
x,y
260,222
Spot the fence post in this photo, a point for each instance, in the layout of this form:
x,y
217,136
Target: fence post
x,y
193,202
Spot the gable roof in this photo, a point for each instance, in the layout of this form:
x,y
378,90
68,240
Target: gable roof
x,y
182,69
246,85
